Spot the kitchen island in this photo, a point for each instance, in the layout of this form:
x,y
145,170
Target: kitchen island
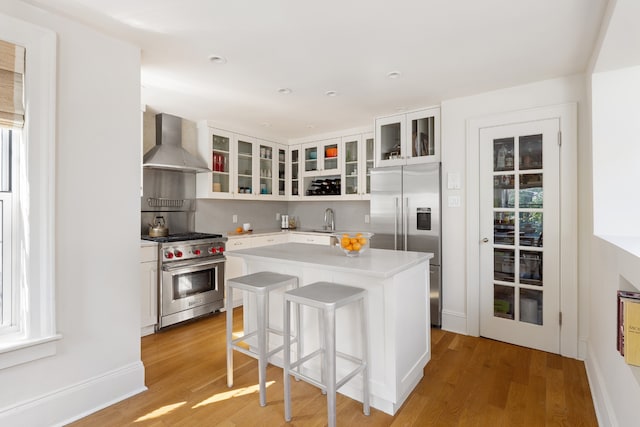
x,y
397,286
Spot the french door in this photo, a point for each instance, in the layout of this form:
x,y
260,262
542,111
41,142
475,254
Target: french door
x,y
520,234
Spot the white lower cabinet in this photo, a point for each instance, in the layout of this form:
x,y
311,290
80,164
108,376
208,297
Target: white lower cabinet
x,y
310,238
148,289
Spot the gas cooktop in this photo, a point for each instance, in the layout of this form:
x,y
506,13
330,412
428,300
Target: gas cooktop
x,y
180,237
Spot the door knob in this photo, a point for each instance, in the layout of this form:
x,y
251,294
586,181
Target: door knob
x,y
485,240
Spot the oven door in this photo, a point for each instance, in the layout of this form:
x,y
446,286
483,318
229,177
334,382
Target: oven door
x,y
187,285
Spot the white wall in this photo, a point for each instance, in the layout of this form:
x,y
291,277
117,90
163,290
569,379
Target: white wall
x,y
455,115
96,228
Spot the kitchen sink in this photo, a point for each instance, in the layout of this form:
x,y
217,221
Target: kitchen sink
x,y
323,231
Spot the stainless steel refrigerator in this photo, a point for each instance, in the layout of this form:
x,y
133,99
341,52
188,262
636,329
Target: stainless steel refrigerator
x,y
405,216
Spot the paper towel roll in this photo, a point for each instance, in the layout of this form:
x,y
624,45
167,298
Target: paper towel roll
x,y
528,310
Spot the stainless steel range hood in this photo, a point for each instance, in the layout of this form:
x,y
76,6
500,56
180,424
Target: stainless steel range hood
x,y
168,152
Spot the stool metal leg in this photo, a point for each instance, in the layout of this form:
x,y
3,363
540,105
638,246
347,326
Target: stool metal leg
x,y
229,336
364,316
330,365
262,351
287,357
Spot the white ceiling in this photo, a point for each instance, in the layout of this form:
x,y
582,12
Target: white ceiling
x,y
442,48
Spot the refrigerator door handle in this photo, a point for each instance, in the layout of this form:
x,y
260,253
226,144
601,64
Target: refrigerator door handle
x,y
405,229
395,226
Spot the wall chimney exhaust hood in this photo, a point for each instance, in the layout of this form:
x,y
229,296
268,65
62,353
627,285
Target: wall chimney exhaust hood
x,y
168,152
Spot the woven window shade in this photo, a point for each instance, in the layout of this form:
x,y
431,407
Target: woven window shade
x,y
11,85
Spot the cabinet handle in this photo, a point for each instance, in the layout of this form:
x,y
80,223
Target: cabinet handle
x,y
485,240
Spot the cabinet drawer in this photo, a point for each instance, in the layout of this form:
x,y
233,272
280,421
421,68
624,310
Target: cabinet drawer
x,y
237,244
313,239
269,240
148,253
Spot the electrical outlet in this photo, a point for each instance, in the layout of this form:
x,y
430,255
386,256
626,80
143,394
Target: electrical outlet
x,y
367,219
278,216
234,219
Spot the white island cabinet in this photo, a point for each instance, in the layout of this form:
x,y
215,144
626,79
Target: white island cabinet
x,y
397,286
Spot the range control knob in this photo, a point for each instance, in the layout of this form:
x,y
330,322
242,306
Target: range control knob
x,y
196,252
212,250
178,254
168,255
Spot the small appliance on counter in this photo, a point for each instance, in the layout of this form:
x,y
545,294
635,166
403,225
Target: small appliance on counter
x,y
284,223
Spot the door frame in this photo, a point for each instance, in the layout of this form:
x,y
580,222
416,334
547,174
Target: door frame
x,y
567,116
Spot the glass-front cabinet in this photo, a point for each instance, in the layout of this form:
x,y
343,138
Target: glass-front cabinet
x,y
321,157
242,166
217,147
358,161
517,231
408,138
294,171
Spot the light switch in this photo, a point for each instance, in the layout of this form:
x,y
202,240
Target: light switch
x,y
453,180
367,219
234,219
453,201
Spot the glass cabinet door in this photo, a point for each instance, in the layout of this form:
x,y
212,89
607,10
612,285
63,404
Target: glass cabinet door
x,y
245,167
351,157
266,169
311,159
518,245
220,182
282,171
295,171
330,156
389,137
369,150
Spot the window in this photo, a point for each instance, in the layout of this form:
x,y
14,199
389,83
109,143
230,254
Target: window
x,y
8,295
28,330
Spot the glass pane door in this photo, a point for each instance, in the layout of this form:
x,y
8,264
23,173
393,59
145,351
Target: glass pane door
x,y
351,167
311,159
245,167
518,280
369,147
295,172
266,169
282,167
220,165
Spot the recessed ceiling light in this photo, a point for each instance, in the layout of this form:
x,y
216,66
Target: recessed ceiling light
x,y
331,93
266,124
284,90
393,74
401,109
310,126
217,59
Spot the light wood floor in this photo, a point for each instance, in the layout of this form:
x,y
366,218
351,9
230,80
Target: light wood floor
x,y
468,382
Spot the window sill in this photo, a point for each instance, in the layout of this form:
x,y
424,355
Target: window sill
x,y
18,352
629,244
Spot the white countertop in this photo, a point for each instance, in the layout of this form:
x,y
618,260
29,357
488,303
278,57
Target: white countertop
x,y
374,262
234,235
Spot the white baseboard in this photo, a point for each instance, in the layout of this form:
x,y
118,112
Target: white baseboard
x,y
71,403
454,321
601,400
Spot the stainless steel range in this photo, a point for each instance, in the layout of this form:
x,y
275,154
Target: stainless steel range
x,y
190,264
190,276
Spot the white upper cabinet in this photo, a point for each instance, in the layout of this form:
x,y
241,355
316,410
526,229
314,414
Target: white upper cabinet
x,y
217,147
356,170
408,138
321,158
295,173
243,167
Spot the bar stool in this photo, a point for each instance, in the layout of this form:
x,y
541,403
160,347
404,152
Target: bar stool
x,y
327,298
260,284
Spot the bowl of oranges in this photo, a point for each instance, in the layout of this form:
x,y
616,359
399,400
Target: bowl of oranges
x,y
353,244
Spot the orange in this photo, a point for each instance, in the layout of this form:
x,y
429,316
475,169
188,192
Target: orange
x,y
345,242
239,230
349,247
354,240
345,235
357,246
358,234
362,241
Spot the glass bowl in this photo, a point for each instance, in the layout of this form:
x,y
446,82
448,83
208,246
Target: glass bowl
x,y
352,243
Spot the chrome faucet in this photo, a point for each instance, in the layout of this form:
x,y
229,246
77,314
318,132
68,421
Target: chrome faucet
x,y
329,222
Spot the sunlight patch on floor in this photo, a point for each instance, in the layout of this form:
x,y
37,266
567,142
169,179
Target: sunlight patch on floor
x,y
219,397
160,412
